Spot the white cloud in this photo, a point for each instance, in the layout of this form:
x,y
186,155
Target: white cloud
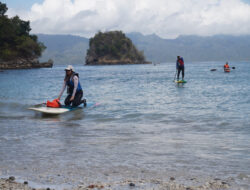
x,y
167,18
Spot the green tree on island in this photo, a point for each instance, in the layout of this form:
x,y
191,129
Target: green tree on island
x,y
113,48
15,40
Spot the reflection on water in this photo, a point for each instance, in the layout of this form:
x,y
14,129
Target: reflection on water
x,y
146,126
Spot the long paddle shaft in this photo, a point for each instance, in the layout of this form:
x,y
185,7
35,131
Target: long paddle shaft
x,y
175,74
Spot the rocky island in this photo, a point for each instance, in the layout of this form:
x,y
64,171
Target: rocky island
x,y
18,49
113,48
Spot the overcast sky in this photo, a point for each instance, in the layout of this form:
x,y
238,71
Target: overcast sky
x,y
166,18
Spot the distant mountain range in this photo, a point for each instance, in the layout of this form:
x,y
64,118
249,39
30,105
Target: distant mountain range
x,y
64,49
68,49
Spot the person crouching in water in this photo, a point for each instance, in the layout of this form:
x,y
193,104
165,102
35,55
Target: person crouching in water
x,y
74,88
180,67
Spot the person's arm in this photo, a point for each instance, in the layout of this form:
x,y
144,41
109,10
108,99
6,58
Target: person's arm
x,y
75,78
63,88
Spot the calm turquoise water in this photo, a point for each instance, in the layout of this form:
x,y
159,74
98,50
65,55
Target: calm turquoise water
x,y
146,126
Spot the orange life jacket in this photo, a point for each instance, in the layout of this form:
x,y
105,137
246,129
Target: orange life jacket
x,y
226,66
54,104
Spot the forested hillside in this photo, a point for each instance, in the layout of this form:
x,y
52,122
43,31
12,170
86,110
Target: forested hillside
x,y
15,40
64,49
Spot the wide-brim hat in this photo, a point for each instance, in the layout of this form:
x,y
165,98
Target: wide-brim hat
x,y
69,68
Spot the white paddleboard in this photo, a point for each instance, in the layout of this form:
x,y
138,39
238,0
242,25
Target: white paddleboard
x,y
56,111
49,110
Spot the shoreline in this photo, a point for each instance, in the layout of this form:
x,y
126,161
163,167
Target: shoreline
x,y
25,64
156,184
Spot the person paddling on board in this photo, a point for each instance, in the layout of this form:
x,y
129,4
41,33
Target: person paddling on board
x,y
180,67
74,89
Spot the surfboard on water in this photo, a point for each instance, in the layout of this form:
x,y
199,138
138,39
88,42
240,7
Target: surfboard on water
x,y
180,81
56,111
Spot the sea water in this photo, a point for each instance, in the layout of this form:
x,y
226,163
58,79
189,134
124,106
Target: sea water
x,y
144,127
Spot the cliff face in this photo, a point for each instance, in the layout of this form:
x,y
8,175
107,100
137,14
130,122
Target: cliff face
x,y
24,64
111,48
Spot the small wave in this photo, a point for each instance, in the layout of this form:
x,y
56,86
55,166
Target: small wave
x,y
2,116
13,110
13,105
9,138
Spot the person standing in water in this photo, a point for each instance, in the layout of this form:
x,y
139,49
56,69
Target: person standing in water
x,y
180,67
74,89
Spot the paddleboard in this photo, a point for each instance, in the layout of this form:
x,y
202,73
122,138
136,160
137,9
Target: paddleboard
x,y
180,81
56,111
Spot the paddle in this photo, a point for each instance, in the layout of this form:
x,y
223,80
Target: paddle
x,y
229,67
175,75
223,68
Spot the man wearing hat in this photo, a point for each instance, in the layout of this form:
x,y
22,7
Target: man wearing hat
x,y
74,89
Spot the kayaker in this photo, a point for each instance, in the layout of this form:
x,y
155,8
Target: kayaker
x,y
226,66
180,67
74,89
